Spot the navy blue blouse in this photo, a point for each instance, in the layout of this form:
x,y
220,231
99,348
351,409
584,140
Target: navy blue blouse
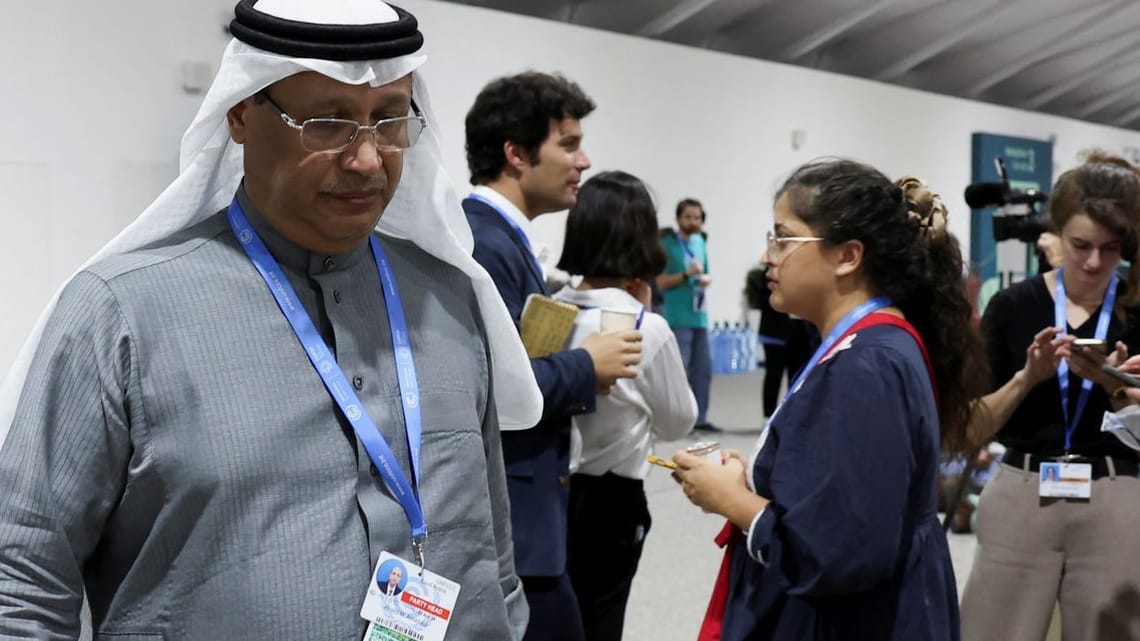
x,y
851,540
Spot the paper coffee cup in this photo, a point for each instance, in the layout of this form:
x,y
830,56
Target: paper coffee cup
x,y
618,319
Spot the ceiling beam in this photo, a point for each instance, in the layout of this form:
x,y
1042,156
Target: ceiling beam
x,y
1129,116
674,17
831,31
963,30
1127,88
1088,72
1007,71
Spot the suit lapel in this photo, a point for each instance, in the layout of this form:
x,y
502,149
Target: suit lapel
x,y
531,262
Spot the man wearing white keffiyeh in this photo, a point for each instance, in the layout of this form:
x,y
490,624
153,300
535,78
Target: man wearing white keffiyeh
x,y
176,446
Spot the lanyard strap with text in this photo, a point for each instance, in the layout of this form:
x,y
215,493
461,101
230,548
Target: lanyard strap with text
x,y
684,246
836,333
515,226
1060,317
336,382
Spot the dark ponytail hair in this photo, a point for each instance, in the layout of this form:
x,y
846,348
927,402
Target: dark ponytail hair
x,y
909,257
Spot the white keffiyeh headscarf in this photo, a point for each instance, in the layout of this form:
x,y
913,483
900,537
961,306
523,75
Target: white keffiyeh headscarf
x,y
424,210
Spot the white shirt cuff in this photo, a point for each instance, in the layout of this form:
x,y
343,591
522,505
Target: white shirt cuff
x,y
751,529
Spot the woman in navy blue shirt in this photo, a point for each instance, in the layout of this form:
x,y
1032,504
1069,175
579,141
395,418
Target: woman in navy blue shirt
x,y
834,527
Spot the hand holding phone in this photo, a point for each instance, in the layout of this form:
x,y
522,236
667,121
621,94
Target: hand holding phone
x,y
1098,344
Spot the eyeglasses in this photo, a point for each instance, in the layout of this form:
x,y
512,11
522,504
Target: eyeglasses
x,y
777,245
334,135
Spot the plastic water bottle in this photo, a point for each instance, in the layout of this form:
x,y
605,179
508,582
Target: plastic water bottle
x,y
752,342
715,348
737,362
742,340
723,350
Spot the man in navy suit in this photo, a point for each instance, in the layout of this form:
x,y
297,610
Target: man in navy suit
x,y
524,151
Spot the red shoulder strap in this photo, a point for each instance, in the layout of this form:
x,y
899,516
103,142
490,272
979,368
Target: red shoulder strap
x,y
881,318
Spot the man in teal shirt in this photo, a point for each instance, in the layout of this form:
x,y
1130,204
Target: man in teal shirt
x,y
683,288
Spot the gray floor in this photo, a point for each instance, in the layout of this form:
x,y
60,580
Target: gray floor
x,y
680,560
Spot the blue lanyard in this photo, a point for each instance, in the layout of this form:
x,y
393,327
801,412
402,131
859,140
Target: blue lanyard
x,y
336,382
684,246
698,290
837,332
517,229
1060,318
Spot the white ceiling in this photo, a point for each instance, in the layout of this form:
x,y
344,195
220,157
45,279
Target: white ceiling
x,y
1076,58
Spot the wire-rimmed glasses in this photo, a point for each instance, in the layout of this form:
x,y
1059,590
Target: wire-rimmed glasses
x,y
777,245
334,135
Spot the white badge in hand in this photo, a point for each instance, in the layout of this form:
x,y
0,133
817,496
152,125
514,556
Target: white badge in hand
x,y
406,603
1066,480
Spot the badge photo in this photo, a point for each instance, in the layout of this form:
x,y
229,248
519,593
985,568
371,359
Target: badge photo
x,y
404,602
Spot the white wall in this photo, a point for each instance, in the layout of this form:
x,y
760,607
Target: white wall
x,y
90,124
89,128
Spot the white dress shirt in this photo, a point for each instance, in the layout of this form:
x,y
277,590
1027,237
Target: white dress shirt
x,y
657,404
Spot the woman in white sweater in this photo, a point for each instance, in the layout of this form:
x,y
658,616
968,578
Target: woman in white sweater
x,y
612,243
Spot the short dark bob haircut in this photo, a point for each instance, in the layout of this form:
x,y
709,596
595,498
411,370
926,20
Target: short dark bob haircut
x,y
611,232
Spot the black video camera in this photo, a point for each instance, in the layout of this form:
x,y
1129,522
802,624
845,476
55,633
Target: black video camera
x,y
1025,227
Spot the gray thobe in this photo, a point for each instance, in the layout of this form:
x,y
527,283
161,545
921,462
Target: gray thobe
x,y
175,453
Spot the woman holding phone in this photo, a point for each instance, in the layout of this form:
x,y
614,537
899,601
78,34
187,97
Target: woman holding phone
x,y
1073,541
834,524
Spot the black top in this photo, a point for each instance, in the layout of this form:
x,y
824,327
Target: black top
x,y
1037,426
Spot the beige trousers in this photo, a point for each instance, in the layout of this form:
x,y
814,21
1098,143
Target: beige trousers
x,y
1034,553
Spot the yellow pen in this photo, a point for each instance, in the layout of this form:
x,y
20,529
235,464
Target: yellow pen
x,y
657,460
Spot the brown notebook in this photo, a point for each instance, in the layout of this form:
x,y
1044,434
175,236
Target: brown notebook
x,y
545,325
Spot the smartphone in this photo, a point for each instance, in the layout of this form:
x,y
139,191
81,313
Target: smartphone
x,y
1128,379
663,462
1099,344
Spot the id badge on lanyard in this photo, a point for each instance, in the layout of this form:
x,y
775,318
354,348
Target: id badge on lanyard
x,y
423,610
407,603
1063,479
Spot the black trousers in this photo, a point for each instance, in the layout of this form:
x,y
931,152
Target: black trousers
x,y
553,609
801,340
609,519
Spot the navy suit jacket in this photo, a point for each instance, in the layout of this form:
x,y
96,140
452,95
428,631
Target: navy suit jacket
x,y
538,459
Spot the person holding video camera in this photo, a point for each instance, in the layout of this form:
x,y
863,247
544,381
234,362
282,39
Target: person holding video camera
x,y
1074,541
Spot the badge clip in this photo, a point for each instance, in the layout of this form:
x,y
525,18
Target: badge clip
x,y
418,550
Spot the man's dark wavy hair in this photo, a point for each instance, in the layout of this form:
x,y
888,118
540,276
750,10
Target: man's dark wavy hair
x,y
518,109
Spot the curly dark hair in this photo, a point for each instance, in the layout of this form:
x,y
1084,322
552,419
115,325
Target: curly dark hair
x,y
518,109
611,232
1106,188
918,265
